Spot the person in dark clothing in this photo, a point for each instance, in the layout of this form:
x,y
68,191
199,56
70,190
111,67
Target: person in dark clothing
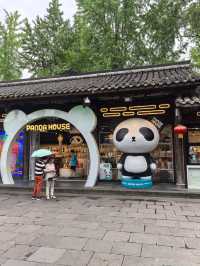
x,y
73,162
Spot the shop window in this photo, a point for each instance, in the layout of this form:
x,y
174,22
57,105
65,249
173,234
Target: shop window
x,y
109,156
163,157
17,154
194,146
61,143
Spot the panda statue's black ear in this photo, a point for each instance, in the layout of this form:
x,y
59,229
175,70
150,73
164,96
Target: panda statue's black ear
x,y
157,123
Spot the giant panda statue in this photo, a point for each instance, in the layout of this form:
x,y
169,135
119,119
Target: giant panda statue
x,y
136,138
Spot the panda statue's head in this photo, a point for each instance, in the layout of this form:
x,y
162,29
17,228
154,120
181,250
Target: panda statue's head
x,y
136,135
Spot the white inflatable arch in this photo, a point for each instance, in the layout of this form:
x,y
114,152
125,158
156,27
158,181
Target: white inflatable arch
x,y
81,117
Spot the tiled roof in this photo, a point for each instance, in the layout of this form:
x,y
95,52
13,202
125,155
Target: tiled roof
x,y
183,101
140,78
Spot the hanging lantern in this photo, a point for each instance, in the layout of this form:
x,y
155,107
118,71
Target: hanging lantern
x,y
180,130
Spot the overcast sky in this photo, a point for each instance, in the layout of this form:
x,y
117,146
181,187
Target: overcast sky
x,y
32,8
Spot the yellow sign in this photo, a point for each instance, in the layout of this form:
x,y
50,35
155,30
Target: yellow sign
x,y
48,127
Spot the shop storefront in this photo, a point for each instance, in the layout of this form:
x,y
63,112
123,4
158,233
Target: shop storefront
x,y
190,117
148,93
61,138
159,112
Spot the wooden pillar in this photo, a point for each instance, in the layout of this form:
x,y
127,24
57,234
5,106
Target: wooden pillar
x,y
179,154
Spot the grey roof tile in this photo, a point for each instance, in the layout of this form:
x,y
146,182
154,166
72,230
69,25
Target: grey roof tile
x,y
160,76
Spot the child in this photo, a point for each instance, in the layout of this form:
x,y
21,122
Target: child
x,y
50,177
39,173
73,162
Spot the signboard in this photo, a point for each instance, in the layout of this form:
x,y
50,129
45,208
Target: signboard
x,y
48,127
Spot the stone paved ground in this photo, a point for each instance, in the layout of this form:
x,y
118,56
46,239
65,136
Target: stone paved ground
x,y
111,231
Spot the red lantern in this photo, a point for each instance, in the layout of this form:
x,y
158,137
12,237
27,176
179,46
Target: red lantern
x,y
180,130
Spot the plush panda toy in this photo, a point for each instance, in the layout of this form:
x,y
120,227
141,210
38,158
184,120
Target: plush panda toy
x,y
136,138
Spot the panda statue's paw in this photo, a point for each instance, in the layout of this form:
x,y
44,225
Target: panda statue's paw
x,y
119,166
153,166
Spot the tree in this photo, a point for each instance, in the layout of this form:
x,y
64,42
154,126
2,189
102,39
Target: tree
x,y
120,33
46,45
193,30
10,43
164,23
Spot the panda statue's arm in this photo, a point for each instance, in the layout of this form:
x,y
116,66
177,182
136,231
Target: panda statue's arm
x,y
152,164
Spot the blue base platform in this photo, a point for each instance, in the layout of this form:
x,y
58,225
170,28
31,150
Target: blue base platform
x,y
136,183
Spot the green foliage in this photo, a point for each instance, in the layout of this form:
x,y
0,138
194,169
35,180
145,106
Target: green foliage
x,y
120,33
10,43
193,30
163,25
46,45
106,34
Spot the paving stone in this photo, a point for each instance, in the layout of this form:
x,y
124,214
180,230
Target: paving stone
x,y
19,252
170,241
116,236
162,230
47,240
193,219
101,259
176,217
144,238
79,232
6,236
5,245
190,225
126,248
72,243
98,246
139,261
28,228
192,243
19,263
152,251
110,226
166,223
75,258
2,260
47,255
24,239
86,225
133,227
11,228
183,232
49,230
76,243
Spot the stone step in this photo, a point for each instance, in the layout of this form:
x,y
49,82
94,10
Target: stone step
x,y
101,189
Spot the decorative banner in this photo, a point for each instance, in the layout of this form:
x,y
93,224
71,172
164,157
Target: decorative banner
x,y
135,110
161,112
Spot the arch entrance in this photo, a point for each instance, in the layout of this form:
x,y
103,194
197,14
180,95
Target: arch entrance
x,y
82,118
